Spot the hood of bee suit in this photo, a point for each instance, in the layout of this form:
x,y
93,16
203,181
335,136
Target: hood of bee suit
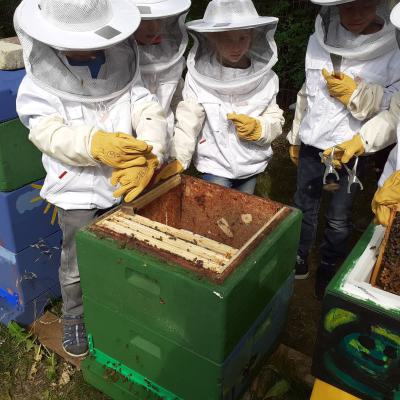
x,y
173,38
335,39
231,15
48,28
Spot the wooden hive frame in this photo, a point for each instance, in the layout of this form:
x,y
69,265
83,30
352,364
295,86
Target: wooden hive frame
x,y
203,252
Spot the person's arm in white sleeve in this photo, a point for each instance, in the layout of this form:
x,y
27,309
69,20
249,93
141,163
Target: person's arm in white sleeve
x,y
380,131
271,121
148,120
68,144
293,136
189,117
49,132
370,99
189,121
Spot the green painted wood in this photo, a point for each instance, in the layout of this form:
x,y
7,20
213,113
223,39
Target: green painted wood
x,y
336,284
179,305
358,342
20,160
173,367
124,372
112,384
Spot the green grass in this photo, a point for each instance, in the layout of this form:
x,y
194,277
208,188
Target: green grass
x,y
28,371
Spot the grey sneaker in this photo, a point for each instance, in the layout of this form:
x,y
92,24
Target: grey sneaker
x,y
74,340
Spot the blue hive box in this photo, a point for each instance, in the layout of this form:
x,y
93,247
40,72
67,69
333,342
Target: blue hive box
x,y
29,279
9,84
25,275
23,221
27,313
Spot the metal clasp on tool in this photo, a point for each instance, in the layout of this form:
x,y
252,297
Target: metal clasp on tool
x,y
329,166
353,178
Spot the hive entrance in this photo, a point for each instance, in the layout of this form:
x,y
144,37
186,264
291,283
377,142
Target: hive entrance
x,y
195,224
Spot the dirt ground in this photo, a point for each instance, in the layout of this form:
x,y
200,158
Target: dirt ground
x,y
28,371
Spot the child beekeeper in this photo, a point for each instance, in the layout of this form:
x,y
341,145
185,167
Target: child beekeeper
x,y
80,99
229,81
162,40
376,134
352,70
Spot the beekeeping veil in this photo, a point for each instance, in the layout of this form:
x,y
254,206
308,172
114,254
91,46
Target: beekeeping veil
x,y
335,39
229,15
46,28
172,13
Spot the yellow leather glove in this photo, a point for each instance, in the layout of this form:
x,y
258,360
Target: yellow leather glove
x,y
386,198
135,179
171,169
341,88
247,128
345,151
294,152
118,150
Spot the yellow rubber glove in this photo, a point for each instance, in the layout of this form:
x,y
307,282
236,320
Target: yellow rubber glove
x,y
118,150
345,151
134,180
386,198
341,88
171,169
247,128
294,152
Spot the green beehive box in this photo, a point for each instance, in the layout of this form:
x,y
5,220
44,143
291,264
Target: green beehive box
x,y
113,384
358,343
150,362
20,160
182,301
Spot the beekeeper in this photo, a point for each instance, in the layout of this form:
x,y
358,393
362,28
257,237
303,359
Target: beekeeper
x,y
80,100
378,133
352,71
230,79
162,40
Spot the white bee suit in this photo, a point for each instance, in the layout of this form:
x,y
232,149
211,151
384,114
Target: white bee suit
x,y
382,131
212,91
162,65
162,83
63,107
372,60
393,163
388,122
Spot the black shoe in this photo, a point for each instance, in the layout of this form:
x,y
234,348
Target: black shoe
x,y
74,340
302,271
324,275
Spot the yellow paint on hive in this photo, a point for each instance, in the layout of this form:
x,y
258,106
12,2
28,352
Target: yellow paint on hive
x,y
389,335
48,205
337,317
323,391
36,186
36,199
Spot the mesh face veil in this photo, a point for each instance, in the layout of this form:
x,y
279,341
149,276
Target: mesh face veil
x,y
335,39
49,67
221,15
156,58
